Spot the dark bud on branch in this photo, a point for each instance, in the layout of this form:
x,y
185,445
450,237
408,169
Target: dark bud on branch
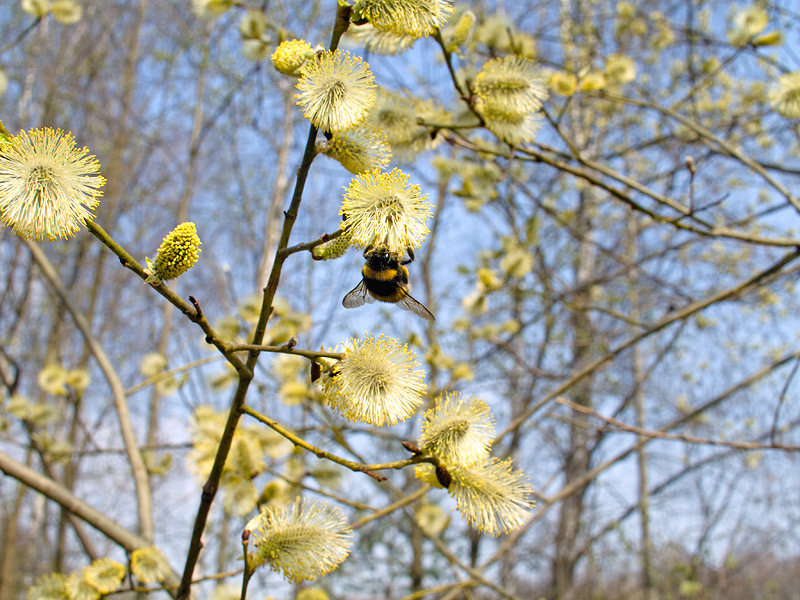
x,y
443,476
412,447
316,371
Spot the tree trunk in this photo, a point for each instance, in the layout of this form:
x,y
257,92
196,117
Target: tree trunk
x,y
578,456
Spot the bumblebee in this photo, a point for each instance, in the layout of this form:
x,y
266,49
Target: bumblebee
x,y
385,278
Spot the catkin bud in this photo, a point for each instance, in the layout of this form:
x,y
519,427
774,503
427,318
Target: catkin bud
x,y
333,249
176,255
290,55
463,28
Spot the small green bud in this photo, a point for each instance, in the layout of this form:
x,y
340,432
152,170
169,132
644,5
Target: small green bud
x,y
771,38
332,249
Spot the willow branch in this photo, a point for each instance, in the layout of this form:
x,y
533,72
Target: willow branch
x,y
473,572
21,35
627,181
211,486
309,354
448,587
548,501
309,246
298,483
61,495
708,136
713,232
649,433
189,310
172,372
673,317
140,477
410,499
350,464
448,61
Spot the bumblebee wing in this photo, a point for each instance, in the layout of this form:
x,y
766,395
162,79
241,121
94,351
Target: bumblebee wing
x,y
357,296
415,307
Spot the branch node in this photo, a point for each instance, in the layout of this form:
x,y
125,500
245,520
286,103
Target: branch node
x,y
411,447
196,305
375,476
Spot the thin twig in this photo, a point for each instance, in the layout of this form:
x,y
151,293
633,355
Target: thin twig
x,y
185,307
320,453
671,318
141,478
309,354
341,23
649,433
411,498
708,136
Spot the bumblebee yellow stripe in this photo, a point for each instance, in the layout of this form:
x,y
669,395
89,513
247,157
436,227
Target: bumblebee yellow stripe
x,y
386,275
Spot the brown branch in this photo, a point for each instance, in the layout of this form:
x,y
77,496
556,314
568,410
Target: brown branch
x,y
61,495
309,354
708,136
325,237
185,307
549,501
140,477
404,501
341,23
649,433
673,317
320,453
530,154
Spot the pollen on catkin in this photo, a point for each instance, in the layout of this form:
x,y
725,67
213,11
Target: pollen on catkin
x,y
149,565
380,42
47,185
66,12
563,83
785,96
332,249
494,497
401,117
177,254
337,91
620,69
512,127
509,93
463,28
457,430
379,381
210,9
381,208
303,539
361,149
513,83
416,18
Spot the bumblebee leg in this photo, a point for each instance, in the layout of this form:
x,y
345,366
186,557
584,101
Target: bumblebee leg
x,y
402,277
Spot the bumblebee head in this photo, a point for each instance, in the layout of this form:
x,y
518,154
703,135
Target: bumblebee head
x,y
379,258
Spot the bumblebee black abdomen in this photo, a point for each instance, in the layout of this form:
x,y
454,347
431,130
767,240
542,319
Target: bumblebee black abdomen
x,y
383,290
